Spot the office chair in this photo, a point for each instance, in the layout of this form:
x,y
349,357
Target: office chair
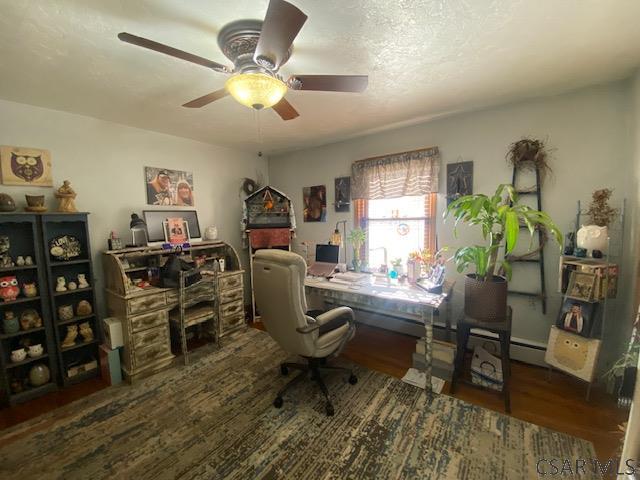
x,y
278,283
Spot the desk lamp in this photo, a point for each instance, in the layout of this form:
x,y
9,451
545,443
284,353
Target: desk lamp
x,y
138,227
337,237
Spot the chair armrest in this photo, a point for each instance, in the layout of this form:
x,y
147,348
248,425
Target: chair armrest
x,y
335,313
311,327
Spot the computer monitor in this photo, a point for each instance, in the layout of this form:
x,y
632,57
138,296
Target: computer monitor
x,y
155,227
327,253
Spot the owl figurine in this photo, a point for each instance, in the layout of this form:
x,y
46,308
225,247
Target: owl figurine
x,y
28,168
9,289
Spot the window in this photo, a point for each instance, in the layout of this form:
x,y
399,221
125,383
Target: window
x,y
401,225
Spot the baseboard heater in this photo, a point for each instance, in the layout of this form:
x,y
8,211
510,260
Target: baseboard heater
x,y
523,350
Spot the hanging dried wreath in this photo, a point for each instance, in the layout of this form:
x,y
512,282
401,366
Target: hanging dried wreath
x,y
531,154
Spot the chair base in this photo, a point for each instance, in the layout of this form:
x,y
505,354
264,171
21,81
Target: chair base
x,y
313,366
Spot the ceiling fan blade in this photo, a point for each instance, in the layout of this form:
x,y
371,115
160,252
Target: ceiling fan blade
x,y
207,99
285,110
329,83
173,52
281,25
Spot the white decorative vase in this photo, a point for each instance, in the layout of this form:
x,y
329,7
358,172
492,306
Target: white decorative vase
x,y
593,237
211,233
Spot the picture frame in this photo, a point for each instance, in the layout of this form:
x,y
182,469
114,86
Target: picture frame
x,y
315,203
572,353
577,316
459,180
167,187
581,286
22,166
176,231
342,194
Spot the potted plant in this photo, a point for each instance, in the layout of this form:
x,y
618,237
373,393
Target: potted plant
x,y
397,267
357,237
594,237
500,218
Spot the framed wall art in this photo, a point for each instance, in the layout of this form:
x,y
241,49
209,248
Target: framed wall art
x,y
459,180
572,353
581,286
169,187
25,166
315,203
343,194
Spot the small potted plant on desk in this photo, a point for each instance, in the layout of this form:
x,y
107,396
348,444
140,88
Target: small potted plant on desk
x,y
357,237
501,218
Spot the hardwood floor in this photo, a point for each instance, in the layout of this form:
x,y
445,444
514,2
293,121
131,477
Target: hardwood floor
x,y
558,405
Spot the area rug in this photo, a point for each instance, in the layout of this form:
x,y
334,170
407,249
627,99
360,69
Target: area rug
x,y
214,419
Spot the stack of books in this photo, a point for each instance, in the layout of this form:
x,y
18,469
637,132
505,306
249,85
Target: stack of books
x,y
442,361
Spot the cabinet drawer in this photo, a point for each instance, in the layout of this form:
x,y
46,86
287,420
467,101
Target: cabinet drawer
x,y
143,304
230,282
231,295
146,355
144,322
201,290
231,322
232,308
159,335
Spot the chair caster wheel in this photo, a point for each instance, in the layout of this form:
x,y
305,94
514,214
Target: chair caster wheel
x,y
329,409
278,402
284,370
353,379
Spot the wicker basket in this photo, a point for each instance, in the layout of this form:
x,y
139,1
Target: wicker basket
x,y
485,301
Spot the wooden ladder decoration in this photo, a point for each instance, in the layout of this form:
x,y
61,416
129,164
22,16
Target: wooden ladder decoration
x,y
536,255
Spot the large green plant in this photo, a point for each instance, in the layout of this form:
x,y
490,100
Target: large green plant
x,y
500,217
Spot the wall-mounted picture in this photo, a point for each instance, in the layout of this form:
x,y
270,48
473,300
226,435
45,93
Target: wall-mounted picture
x,y
343,194
25,166
459,180
581,286
572,354
577,316
315,203
169,187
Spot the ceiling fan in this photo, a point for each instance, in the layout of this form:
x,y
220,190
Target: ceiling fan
x,y
258,49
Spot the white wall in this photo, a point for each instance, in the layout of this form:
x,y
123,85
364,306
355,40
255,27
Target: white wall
x,y
587,130
105,163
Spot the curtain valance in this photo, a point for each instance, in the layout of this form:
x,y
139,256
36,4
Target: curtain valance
x,y
396,175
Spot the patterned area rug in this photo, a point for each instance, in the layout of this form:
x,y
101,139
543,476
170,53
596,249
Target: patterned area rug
x,y
215,419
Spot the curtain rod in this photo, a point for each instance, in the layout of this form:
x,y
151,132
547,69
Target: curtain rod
x,y
397,153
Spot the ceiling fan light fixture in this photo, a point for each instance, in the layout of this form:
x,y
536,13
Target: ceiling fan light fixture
x,y
256,90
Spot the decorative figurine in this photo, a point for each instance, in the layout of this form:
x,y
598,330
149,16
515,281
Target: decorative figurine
x,y
6,203
20,261
30,290
18,355
5,259
28,261
10,323
35,350
65,312
86,332
83,308
66,197
82,281
9,290
6,262
30,319
35,203
72,285
70,339
61,284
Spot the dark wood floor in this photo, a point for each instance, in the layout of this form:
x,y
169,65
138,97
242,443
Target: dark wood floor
x,y
558,404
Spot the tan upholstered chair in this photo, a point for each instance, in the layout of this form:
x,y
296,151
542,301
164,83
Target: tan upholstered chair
x,y
278,282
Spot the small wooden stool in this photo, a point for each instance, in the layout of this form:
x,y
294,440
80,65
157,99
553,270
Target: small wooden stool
x,y
503,330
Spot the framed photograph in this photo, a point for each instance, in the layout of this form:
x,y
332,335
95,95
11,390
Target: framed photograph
x,y
459,180
577,316
315,203
169,187
176,231
343,194
581,286
25,166
572,353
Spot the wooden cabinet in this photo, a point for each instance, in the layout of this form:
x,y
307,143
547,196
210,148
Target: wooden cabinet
x,y
145,312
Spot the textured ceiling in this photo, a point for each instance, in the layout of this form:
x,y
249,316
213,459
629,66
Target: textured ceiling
x,y
423,58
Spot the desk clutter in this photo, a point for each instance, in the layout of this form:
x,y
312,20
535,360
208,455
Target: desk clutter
x,y
49,335
168,303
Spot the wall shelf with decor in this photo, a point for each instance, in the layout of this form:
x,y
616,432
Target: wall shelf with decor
x,y
71,294
27,371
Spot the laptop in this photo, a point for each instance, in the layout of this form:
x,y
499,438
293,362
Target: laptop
x,y
326,261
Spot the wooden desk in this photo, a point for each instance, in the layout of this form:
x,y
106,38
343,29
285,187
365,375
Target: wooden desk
x,y
381,297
